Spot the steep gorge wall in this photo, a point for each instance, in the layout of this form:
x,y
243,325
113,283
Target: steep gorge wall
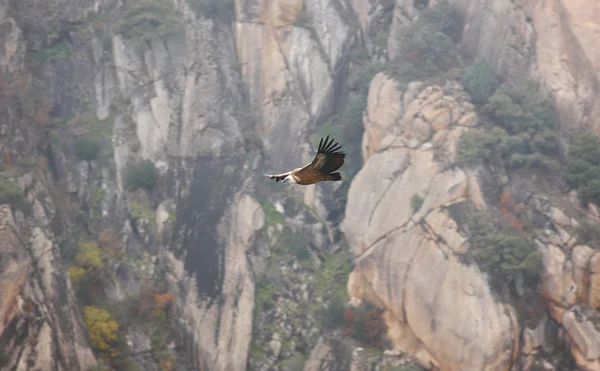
x,y
41,325
177,102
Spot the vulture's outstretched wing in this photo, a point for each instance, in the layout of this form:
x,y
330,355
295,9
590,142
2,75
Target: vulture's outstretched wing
x,y
328,158
278,177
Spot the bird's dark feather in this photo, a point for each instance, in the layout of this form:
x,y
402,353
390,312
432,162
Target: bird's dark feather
x,y
329,158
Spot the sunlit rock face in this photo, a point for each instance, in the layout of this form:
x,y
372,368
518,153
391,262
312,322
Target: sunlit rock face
x,y
407,259
407,253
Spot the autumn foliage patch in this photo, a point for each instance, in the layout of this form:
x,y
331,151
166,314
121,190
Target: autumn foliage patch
x,y
365,324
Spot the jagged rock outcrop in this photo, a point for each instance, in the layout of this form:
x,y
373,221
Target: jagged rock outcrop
x,y
409,145
409,137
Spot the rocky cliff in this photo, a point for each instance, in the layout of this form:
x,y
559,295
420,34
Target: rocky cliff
x,y
200,263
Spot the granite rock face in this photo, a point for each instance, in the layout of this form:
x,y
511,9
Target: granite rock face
x,y
182,102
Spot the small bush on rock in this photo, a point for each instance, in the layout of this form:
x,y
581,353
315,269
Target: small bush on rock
x,y
86,149
416,201
428,46
583,167
215,9
11,194
523,133
501,251
147,20
142,175
481,81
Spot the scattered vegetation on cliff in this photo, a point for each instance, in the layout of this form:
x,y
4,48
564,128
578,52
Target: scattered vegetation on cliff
x,y
87,261
407,367
142,175
583,167
11,194
480,81
501,250
215,9
307,287
102,328
331,284
294,363
147,20
416,201
588,233
428,46
107,321
382,31
55,52
86,149
366,324
272,216
522,130
295,244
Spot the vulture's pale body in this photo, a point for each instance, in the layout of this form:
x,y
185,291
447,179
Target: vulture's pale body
x,y
322,168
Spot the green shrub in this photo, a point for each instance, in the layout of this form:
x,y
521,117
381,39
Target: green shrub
x,y
295,244
141,175
521,109
294,363
272,216
583,167
215,9
428,46
56,52
11,194
588,233
332,316
474,146
143,211
481,81
523,134
147,20
86,149
501,251
416,201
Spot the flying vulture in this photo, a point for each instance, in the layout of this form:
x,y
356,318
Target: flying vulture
x,y
322,168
